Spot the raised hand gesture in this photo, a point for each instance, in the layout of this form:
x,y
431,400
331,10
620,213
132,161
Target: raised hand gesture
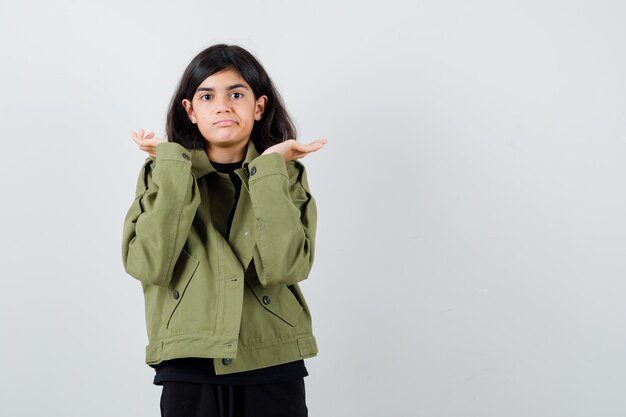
x,y
147,143
290,149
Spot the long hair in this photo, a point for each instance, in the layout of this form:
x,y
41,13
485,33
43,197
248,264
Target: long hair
x,y
274,127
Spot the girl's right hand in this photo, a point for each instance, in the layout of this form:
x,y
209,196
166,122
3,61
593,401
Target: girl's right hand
x,y
147,143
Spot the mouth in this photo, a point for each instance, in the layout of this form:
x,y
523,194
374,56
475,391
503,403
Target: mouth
x,y
225,123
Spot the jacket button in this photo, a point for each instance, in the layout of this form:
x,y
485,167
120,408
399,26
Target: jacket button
x,y
252,170
186,156
266,299
227,361
175,294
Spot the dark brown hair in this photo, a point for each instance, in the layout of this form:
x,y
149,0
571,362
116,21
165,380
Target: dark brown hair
x,y
274,127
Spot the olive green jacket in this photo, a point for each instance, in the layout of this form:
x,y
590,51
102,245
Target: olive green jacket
x,y
234,300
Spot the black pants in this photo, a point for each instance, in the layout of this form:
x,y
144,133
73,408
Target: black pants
x,y
190,399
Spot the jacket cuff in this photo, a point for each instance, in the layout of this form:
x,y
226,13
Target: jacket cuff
x,y
268,164
172,151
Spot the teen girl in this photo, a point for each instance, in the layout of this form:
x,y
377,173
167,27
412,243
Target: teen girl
x,y
220,232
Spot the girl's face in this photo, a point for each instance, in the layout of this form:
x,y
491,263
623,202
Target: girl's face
x,y
224,109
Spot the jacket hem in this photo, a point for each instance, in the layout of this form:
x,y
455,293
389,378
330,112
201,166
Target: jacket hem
x,y
190,345
245,359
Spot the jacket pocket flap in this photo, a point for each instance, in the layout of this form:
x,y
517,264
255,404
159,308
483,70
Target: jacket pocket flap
x,y
280,301
183,272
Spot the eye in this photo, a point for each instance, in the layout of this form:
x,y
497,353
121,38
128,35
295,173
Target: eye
x,y
202,97
238,95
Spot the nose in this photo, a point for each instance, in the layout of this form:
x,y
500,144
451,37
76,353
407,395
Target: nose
x,y
222,104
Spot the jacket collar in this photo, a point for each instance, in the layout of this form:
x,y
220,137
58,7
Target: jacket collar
x,y
200,164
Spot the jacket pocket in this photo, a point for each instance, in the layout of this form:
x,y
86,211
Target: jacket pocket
x,y
184,270
279,301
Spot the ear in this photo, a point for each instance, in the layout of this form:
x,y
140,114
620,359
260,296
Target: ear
x,y
189,109
260,107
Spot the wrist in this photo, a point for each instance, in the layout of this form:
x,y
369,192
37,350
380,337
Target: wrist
x,y
267,152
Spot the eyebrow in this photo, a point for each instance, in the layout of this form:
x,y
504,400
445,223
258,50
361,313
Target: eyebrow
x,y
232,87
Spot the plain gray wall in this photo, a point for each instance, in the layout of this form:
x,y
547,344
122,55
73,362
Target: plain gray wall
x,y
471,240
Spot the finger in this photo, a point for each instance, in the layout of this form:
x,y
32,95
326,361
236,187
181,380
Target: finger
x,y
314,144
309,147
321,141
146,144
148,139
137,140
153,142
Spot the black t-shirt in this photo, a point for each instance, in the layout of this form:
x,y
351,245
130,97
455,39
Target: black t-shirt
x,y
202,369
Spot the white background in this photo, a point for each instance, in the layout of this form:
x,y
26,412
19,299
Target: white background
x,y
471,239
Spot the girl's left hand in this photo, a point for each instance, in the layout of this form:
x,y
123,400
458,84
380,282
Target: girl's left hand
x,y
290,149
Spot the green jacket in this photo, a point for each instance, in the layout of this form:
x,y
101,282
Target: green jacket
x,y
237,301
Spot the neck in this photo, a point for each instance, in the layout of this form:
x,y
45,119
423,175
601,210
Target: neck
x,y
227,155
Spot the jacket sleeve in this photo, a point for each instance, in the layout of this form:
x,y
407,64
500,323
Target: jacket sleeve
x,y
160,218
285,221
